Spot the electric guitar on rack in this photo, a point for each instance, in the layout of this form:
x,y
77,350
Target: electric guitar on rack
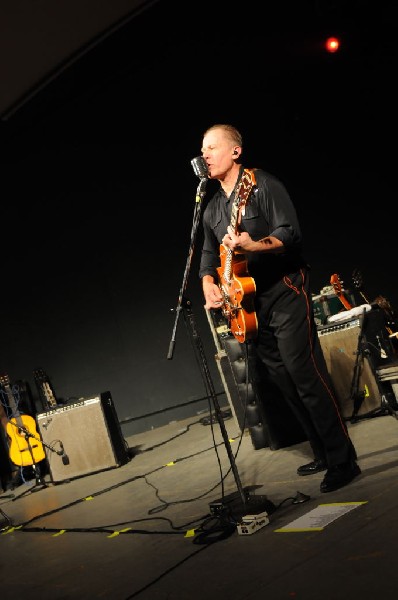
x,y
338,289
25,445
235,283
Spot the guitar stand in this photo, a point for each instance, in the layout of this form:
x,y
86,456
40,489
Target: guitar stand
x,y
356,396
241,503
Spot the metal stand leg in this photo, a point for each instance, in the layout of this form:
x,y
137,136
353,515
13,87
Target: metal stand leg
x,y
241,503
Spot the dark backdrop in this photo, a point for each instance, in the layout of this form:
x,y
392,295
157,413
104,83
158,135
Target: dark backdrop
x,y
98,194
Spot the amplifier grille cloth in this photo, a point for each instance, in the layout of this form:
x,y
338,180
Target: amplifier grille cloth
x,y
90,434
340,344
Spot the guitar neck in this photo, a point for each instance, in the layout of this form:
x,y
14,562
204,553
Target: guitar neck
x,y
15,414
242,194
235,211
45,389
364,297
11,401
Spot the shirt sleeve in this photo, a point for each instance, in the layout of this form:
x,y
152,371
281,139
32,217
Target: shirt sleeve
x,y
281,213
210,256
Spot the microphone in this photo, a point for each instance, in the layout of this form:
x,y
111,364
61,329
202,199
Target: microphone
x,y
62,453
200,167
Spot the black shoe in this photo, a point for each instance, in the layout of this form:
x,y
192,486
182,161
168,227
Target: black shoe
x,y
339,475
313,467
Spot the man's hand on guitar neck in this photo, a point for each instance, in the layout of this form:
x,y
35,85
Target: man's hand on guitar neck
x,y
238,242
212,293
241,242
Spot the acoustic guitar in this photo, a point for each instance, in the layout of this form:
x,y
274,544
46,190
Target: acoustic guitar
x,y
25,446
237,287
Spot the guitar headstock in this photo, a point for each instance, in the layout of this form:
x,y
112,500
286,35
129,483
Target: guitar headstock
x,y
39,375
357,279
45,388
246,184
336,282
339,291
4,379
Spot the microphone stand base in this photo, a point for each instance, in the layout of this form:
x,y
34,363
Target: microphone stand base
x,y
39,485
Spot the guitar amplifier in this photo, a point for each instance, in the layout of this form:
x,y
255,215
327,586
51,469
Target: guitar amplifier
x,y
340,345
89,434
325,305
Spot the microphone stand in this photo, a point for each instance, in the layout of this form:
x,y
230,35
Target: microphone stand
x,y
200,194
244,502
356,395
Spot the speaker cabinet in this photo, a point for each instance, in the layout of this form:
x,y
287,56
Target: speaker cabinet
x,y
89,433
340,345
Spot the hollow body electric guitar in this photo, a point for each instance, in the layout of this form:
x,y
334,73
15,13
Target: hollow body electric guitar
x,y
25,446
237,287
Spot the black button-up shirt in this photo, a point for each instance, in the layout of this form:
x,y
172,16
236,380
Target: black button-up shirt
x,y
269,211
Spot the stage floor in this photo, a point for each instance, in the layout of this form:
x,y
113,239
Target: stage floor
x,y
154,529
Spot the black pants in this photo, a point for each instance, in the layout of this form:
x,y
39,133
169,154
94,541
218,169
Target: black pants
x,y
288,345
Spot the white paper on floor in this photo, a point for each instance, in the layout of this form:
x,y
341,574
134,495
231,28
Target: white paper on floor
x,y
320,517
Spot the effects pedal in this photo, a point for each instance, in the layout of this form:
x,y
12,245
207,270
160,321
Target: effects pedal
x,y
252,523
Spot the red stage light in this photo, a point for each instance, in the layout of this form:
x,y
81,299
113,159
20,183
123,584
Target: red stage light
x,y
332,44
